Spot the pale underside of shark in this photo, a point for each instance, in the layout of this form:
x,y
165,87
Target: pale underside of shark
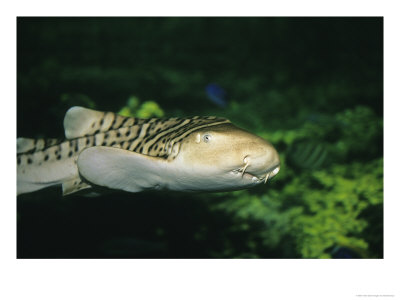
x,y
131,154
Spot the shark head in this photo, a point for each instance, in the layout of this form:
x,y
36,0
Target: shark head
x,y
225,157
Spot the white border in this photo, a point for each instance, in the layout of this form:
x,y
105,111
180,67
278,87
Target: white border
x,y
198,279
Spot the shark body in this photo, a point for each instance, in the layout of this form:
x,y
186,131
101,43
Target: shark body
x,y
133,154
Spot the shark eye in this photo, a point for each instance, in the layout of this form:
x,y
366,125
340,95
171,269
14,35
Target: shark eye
x,y
206,138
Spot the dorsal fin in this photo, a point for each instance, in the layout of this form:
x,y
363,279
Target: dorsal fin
x,y
80,121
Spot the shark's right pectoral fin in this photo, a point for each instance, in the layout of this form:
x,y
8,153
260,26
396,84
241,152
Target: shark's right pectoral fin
x,y
120,169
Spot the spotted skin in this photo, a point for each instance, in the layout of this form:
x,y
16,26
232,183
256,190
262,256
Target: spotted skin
x,y
38,160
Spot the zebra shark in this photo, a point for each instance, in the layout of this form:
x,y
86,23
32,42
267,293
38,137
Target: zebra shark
x,y
133,154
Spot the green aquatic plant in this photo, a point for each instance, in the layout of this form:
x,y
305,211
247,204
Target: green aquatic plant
x,y
147,109
333,200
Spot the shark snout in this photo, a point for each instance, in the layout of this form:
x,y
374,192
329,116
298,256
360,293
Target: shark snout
x,y
263,161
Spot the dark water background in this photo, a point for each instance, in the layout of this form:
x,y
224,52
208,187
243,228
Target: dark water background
x,y
312,86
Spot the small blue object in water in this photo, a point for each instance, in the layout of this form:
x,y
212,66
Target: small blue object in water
x,y
344,252
217,94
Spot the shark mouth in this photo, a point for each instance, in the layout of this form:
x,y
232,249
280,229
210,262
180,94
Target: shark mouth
x,y
257,179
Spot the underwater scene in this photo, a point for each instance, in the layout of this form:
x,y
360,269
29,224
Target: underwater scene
x,y
312,87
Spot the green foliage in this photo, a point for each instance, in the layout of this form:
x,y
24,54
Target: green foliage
x,y
147,109
333,200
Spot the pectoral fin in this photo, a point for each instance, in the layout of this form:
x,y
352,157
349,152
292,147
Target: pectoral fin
x,y
121,169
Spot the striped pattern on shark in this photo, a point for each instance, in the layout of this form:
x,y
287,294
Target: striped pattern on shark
x,y
133,154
